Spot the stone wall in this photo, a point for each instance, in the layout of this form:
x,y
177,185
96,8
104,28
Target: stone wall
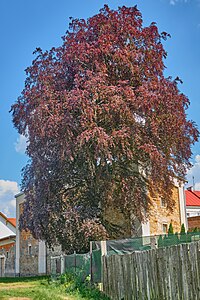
x,y
193,222
7,253
160,215
29,261
56,251
117,224
29,250
29,253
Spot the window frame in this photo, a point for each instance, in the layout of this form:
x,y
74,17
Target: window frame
x,y
164,225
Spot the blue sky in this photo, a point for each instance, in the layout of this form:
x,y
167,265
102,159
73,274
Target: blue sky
x,y
26,24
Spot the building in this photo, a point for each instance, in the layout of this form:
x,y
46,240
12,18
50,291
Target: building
x,y
192,203
27,256
33,257
7,245
158,220
160,217
193,208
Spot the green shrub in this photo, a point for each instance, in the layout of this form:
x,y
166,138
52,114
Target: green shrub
x,y
75,284
195,230
182,229
170,230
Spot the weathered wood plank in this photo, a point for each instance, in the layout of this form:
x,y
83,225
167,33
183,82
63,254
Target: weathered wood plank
x,y
171,273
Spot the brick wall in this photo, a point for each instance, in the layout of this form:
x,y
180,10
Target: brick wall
x,y
193,222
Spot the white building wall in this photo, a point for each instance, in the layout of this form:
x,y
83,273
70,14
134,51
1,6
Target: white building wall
x,y
42,258
192,211
146,229
182,203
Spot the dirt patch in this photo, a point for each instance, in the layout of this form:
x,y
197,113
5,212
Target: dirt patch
x,y
16,286
19,298
22,298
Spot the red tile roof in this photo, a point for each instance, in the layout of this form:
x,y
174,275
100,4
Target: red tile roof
x,y
12,220
192,198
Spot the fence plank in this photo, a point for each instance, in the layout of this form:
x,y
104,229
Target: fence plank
x,y
166,273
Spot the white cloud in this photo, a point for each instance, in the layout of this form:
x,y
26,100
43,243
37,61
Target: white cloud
x,y
173,2
197,186
8,190
21,144
194,172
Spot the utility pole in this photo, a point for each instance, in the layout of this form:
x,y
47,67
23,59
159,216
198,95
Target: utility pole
x,y
193,183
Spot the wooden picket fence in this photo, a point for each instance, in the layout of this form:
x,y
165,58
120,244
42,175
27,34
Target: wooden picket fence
x,y
170,273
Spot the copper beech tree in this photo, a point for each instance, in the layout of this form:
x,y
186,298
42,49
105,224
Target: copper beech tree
x,y
104,127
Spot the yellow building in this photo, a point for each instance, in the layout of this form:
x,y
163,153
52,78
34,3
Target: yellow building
x,y
158,220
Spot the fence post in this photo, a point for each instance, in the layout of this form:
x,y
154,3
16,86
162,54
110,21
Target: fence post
x,y
51,266
103,248
75,262
62,264
103,253
91,275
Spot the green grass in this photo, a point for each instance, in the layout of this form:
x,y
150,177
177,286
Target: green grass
x,y
67,287
35,288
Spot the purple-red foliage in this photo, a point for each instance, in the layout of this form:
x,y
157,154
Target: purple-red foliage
x,y
104,126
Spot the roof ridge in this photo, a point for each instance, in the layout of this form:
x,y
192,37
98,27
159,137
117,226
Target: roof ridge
x,y
6,218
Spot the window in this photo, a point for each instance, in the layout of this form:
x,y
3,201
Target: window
x,y
162,202
164,228
188,214
29,250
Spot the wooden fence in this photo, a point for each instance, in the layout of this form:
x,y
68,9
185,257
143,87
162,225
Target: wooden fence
x,y
170,273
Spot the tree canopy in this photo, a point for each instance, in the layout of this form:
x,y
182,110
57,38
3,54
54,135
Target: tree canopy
x,y
104,126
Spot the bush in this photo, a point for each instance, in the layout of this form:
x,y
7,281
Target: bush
x,y
195,230
74,283
170,230
182,229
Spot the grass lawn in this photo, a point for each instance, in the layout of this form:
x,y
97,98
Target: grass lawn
x,y
36,288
